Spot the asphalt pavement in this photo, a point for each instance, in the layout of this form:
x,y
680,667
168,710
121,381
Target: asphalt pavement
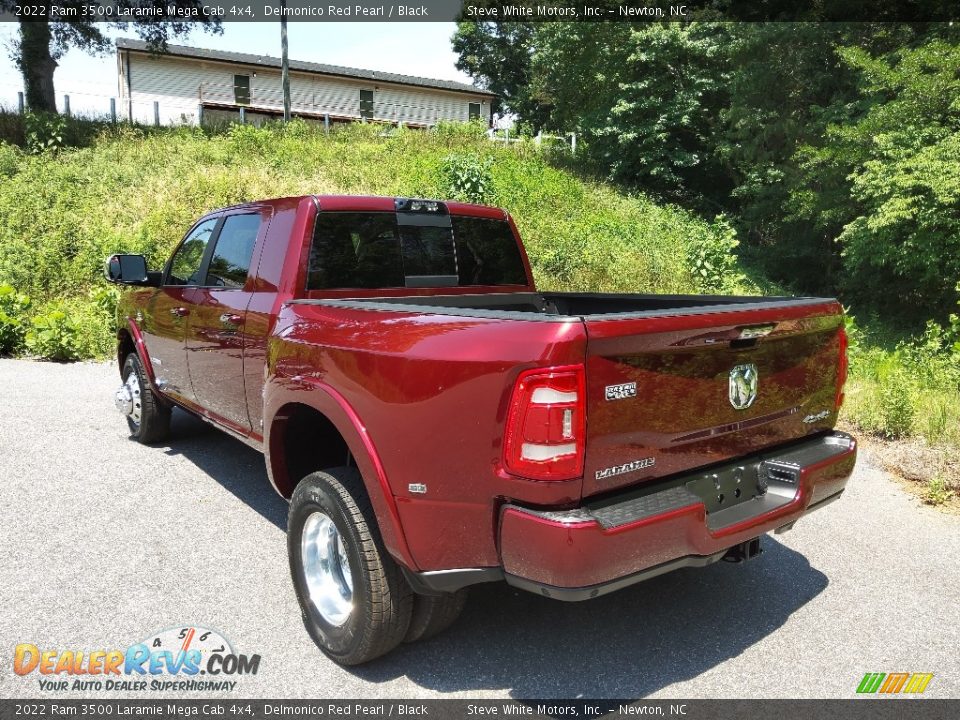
x,y
105,542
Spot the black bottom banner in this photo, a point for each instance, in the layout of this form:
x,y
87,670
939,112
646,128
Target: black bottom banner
x,y
854,709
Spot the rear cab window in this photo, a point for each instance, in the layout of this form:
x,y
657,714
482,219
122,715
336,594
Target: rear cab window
x,y
370,250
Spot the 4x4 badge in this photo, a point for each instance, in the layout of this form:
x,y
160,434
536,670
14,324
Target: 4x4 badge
x,y
743,385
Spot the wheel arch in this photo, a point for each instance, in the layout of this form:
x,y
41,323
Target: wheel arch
x,y
130,340
312,427
125,346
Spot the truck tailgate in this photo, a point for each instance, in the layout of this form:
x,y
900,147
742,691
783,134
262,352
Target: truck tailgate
x,y
668,393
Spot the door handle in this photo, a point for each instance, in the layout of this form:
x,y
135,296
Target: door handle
x,y
230,319
179,311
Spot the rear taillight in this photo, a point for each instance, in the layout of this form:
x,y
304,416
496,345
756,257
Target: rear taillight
x,y
544,438
842,364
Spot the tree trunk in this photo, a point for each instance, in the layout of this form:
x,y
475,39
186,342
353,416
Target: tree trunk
x,y
37,65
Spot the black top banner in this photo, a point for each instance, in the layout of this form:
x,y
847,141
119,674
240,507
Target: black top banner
x,y
180,11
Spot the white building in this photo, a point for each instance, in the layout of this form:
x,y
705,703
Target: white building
x,y
177,85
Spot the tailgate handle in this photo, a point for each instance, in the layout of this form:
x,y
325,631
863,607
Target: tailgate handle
x,y
749,335
752,332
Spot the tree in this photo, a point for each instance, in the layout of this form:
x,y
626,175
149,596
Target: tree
x,y
497,56
577,69
902,159
42,42
646,97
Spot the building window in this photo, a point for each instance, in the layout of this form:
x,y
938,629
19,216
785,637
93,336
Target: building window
x,y
475,111
241,89
366,104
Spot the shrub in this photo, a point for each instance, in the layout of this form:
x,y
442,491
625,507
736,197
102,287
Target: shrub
x,y
467,178
711,258
95,321
54,336
9,160
13,326
455,133
897,408
44,132
937,491
250,139
105,298
952,333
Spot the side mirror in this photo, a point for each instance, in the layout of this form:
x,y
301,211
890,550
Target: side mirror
x,y
126,270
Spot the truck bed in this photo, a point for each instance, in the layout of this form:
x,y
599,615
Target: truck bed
x,y
565,306
658,367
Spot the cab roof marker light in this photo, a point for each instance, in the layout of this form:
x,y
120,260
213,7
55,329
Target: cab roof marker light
x,y
418,205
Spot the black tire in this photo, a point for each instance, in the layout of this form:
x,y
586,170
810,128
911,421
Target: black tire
x,y
432,614
154,424
382,600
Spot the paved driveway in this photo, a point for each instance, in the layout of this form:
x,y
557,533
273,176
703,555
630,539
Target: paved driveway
x,y
106,541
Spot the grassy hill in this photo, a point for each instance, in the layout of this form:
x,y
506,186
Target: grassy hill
x,y
137,190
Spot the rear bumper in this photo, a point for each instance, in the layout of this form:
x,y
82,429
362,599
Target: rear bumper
x,y
680,522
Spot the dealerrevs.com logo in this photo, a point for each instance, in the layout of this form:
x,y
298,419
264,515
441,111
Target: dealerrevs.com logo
x,y
176,659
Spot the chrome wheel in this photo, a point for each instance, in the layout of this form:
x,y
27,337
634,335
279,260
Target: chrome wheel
x,y
129,398
326,569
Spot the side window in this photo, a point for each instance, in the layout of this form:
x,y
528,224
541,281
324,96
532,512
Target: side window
x,y
355,250
366,104
474,111
241,89
185,266
231,255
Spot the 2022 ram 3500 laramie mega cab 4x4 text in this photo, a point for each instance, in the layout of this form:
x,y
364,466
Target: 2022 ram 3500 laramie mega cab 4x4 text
x,y
436,422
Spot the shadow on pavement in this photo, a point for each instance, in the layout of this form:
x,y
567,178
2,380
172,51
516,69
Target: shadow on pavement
x,y
626,645
237,467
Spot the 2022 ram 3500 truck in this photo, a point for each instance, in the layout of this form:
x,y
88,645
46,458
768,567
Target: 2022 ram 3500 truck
x,y
436,422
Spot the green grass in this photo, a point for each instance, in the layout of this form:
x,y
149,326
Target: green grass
x,y
902,388
137,190
130,189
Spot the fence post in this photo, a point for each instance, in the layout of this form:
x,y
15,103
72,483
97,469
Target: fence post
x,y
539,138
20,102
573,143
66,105
200,115
156,112
243,115
326,124
113,110
506,137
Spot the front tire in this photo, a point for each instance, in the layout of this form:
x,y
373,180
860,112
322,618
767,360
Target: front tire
x,y
355,603
149,418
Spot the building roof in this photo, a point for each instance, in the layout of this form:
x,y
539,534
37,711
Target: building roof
x,y
301,66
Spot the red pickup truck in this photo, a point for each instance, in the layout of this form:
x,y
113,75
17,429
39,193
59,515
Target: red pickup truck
x,y
437,422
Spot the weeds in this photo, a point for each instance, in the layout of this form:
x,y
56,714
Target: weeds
x,y
13,320
937,491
